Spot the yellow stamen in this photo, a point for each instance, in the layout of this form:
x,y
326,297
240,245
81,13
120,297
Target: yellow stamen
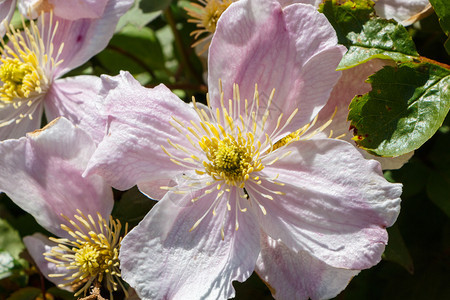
x,y
92,256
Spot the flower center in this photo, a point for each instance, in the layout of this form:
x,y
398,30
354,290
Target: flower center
x,y
93,259
20,79
28,61
92,255
213,10
230,159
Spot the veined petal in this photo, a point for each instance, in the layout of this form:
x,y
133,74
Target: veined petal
x,y
66,9
7,8
336,204
15,130
38,244
47,166
139,122
298,275
352,83
162,259
258,42
83,38
77,99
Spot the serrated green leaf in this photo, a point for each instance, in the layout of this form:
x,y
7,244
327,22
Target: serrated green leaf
x,y
396,250
379,38
347,17
406,106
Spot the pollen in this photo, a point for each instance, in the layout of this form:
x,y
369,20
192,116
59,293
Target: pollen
x,y
27,64
91,257
230,159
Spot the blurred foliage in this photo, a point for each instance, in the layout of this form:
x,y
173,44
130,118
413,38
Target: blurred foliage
x,y
153,43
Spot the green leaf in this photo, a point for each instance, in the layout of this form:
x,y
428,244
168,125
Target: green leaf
x,y
8,265
379,38
396,250
347,17
142,12
136,50
28,293
132,207
406,106
442,9
10,241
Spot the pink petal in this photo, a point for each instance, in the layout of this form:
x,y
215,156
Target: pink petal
x,y
7,8
47,166
161,259
400,10
16,130
66,9
76,98
286,49
352,83
293,275
336,206
83,38
138,124
37,244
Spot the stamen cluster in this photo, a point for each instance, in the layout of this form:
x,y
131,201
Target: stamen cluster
x,y
92,256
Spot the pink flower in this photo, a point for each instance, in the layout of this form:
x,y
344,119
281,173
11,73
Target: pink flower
x,y
244,184
34,60
41,173
65,9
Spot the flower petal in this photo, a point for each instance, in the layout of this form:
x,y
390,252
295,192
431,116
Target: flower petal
x,y
293,275
161,259
83,38
261,43
7,8
138,124
352,83
76,98
66,9
38,244
336,206
403,11
47,166
16,130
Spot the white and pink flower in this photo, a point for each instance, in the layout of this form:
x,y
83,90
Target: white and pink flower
x,y
244,183
33,62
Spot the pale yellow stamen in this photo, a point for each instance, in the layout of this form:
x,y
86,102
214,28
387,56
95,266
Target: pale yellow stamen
x,y
92,256
205,15
27,63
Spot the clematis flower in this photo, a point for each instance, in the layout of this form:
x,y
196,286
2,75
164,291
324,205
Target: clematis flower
x,y
41,173
65,9
244,184
7,8
33,61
